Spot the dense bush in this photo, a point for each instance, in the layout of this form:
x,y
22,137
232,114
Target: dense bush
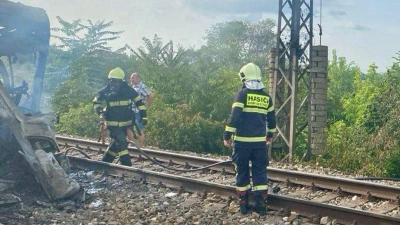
x,y
367,141
173,128
81,121
348,149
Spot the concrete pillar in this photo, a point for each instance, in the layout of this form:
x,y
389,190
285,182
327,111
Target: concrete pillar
x,y
318,119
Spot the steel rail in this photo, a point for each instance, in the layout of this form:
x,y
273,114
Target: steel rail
x,y
353,186
159,155
343,215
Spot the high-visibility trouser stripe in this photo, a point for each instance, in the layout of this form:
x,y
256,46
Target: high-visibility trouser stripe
x,y
271,130
111,153
234,167
238,104
260,187
230,129
249,139
118,124
137,99
142,107
243,188
255,110
119,103
123,152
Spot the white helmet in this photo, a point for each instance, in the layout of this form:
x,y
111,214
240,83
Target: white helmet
x,y
250,71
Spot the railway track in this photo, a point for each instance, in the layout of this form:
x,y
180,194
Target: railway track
x,y
335,199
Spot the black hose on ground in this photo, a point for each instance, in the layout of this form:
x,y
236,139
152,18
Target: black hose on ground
x,y
76,149
175,169
149,158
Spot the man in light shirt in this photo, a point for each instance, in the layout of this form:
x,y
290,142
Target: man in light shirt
x,y
147,98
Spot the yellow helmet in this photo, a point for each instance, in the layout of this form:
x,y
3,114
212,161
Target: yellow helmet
x,y
116,73
250,71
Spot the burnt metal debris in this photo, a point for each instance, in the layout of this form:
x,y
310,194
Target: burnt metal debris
x,y
25,30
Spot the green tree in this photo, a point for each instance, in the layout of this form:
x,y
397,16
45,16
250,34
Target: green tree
x,y
341,76
79,40
165,69
368,143
357,107
234,43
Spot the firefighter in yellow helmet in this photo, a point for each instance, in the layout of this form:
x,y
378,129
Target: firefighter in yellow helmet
x,y
118,97
249,129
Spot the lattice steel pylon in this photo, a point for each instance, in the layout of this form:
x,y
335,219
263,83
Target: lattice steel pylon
x,y
290,83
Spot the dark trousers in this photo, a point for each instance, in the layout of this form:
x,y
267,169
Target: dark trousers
x,y
259,162
118,146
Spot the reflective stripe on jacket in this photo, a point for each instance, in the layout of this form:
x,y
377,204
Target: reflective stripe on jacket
x,y
252,116
118,111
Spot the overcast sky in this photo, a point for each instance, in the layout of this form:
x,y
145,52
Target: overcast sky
x,y
363,31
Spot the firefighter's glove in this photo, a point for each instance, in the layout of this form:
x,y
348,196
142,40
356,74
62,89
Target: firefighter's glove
x,y
99,110
269,138
144,121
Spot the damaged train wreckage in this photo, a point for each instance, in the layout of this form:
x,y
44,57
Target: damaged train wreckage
x,y
25,31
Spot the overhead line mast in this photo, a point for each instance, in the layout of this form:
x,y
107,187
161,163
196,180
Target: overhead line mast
x,y
291,85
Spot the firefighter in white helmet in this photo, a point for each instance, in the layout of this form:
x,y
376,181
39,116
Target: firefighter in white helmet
x,y
118,114
249,129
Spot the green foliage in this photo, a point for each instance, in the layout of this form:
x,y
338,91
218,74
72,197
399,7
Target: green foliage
x,y
368,143
392,164
164,68
346,148
85,46
397,58
235,43
213,95
357,107
386,102
174,128
80,121
386,119
72,93
353,150
341,76
79,38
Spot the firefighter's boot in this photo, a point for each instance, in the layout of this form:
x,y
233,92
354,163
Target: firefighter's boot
x,y
261,204
125,160
243,201
107,157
